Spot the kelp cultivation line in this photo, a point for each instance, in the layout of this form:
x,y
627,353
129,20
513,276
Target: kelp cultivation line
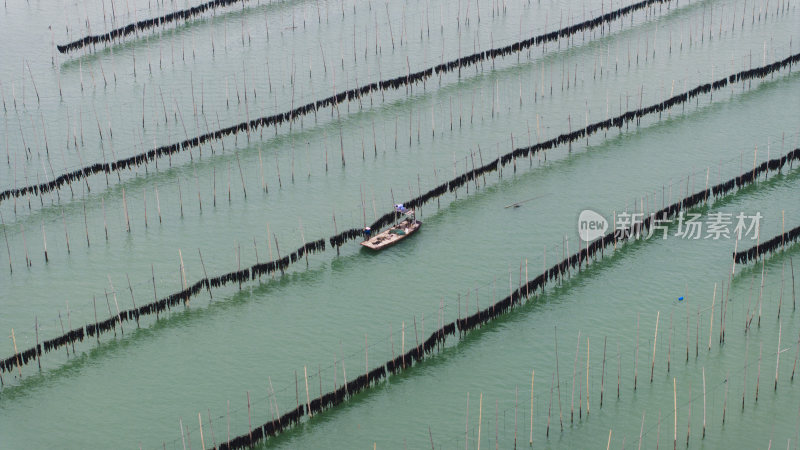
x,y
339,239
479,318
142,25
565,379
466,324
618,122
158,306
700,310
770,246
142,158
185,14
726,378
348,95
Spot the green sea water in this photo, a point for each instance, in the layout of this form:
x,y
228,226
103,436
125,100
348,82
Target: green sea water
x,y
243,200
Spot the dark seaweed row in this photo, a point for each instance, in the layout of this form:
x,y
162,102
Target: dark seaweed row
x,y
66,338
277,119
770,246
145,24
471,59
196,10
127,163
341,393
354,233
480,318
155,307
639,229
616,122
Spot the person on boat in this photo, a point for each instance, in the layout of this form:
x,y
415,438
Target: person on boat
x,y
367,233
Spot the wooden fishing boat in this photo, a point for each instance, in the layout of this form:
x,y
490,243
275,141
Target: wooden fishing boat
x,y
394,234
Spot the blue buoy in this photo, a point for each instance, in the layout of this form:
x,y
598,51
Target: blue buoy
x,y
680,299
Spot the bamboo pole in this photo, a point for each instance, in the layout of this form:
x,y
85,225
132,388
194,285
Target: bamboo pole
x,y
558,385
183,438
797,353
36,351
636,362
158,204
238,251
277,247
416,336
155,295
655,340
466,427
496,424
704,404
791,264
202,441
275,400
619,369
641,431
25,245
211,425
8,248
778,357
697,336
761,291
533,372
669,347
758,376
133,300
44,241
308,397
675,410
516,404
574,369
105,223
725,401
711,316
403,343
744,378
603,372
587,376
208,284
116,304
64,332
180,196
550,405
94,305
241,175
183,270
125,207
689,420
16,353
658,429
480,418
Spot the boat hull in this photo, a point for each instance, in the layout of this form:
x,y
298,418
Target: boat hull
x,y
392,235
